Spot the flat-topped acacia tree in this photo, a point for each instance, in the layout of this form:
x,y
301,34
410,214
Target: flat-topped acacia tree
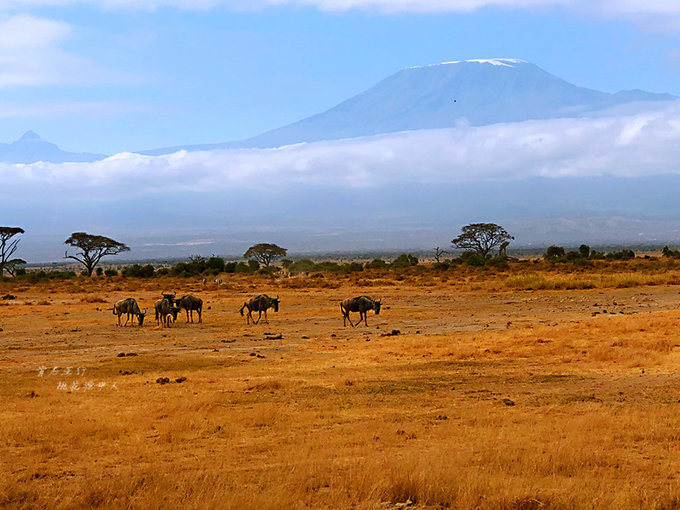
x,y
482,238
91,249
264,253
7,247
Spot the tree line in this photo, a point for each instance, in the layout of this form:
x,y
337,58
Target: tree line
x,y
482,244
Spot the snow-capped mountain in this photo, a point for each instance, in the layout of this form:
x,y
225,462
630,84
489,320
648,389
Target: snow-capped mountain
x,y
472,92
30,148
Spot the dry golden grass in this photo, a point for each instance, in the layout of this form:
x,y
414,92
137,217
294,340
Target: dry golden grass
x,y
562,396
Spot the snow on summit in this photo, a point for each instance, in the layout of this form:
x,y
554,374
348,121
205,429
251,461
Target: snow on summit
x,y
504,62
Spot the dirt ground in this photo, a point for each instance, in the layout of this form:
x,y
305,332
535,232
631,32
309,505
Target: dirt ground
x,y
453,397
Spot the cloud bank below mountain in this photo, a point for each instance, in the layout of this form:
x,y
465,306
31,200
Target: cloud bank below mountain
x,y
636,145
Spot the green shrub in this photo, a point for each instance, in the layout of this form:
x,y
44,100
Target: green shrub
x,y
472,258
242,267
376,264
352,267
498,261
110,272
554,253
405,260
215,265
332,267
139,271
621,255
302,266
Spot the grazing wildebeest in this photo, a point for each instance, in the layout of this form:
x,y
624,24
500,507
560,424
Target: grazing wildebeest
x,y
260,304
191,303
165,311
361,304
169,296
130,307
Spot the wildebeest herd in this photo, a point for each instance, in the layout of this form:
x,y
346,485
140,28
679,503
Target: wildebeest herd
x,y
167,308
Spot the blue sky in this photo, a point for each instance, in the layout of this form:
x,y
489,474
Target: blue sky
x,y
116,75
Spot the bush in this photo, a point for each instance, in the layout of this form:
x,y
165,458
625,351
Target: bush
x,y
270,270
376,264
472,258
242,267
253,265
667,252
286,263
99,271
553,253
110,272
139,271
584,250
214,265
352,267
498,261
332,267
405,260
302,266
621,255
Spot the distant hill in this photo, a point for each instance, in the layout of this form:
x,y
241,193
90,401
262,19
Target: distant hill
x,y
30,148
473,92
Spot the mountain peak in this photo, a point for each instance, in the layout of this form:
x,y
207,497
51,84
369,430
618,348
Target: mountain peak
x,y
502,62
29,135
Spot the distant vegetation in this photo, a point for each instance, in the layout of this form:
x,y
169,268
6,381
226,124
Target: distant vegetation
x,y
484,246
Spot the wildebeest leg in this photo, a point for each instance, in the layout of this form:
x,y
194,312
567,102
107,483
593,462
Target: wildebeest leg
x,y
200,315
192,315
119,320
187,316
265,317
259,316
127,318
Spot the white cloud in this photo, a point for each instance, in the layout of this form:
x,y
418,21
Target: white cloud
x,y
627,146
32,54
612,7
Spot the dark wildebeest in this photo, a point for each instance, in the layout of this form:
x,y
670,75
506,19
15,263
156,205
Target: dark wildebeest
x,y
191,303
130,307
169,296
165,311
260,304
361,304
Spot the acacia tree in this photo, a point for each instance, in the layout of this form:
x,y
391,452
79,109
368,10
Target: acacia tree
x,y
91,248
7,247
438,253
264,253
481,237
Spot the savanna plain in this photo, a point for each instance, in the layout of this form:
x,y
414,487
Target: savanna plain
x,y
535,386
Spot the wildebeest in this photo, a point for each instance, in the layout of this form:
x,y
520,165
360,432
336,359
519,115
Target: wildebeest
x,y
191,303
170,296
361,304
131,308
165,311
260,304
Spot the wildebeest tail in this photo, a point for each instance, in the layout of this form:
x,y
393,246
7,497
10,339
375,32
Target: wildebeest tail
x,y
241,310
114,310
